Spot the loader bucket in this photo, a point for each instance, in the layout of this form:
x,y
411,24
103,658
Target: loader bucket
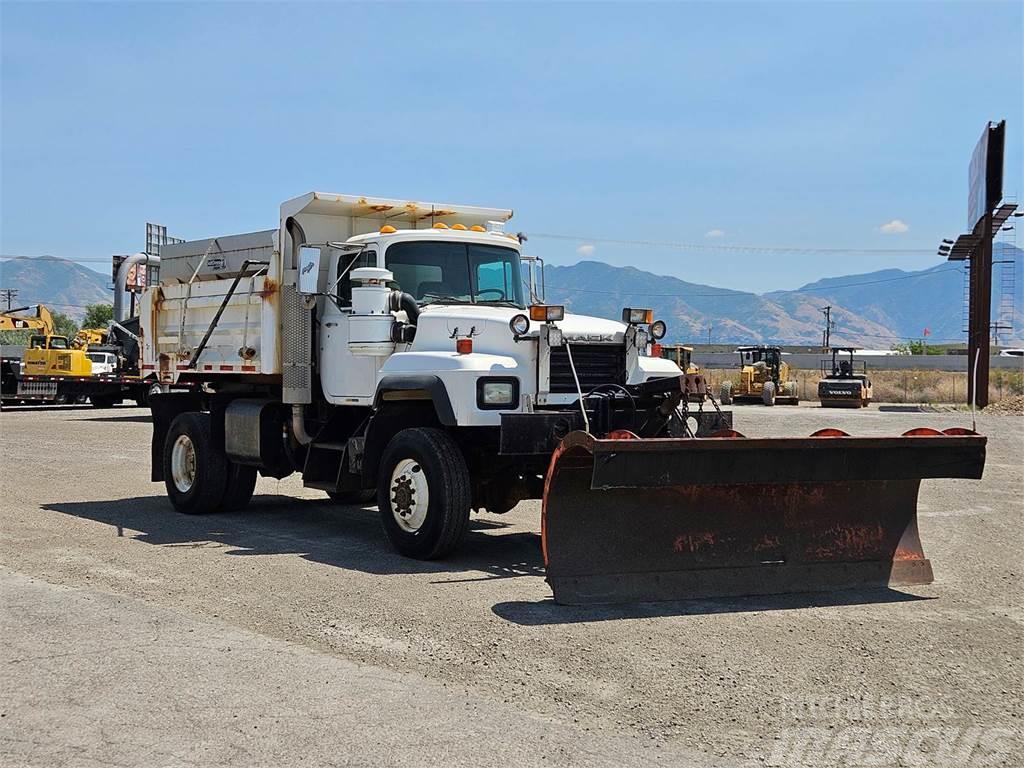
x,y
628,519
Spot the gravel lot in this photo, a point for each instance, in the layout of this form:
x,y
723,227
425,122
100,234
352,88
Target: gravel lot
x,y
290,634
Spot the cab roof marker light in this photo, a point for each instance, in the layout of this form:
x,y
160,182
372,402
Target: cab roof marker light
x,y
440,225
477,228
387,229
460,227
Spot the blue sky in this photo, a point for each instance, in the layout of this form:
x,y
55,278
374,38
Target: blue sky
x,y
769,124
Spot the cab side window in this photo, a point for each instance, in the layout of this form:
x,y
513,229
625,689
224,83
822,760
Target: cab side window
x,y
363,259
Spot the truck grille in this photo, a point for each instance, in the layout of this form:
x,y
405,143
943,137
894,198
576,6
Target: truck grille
x,y
595,364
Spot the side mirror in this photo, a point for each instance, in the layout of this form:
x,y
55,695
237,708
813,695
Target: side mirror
x,y
309,270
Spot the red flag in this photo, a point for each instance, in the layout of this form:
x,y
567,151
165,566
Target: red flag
x,y
927,332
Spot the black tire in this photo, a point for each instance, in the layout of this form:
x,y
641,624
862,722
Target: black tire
x,y
210,472
725,393
768,393
239,487
436,454
353,497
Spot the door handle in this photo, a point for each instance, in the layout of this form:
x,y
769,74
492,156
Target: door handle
x,y
329,325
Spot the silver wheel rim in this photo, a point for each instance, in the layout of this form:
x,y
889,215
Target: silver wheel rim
x,y
183,463
156,389
409,495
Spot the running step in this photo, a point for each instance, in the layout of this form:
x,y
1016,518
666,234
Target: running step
x,y
320,485
329,446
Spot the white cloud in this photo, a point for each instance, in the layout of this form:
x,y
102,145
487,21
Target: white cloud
x,y
585,250
715,233
894,227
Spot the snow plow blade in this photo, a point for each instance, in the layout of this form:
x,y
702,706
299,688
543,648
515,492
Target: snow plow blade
x,y
627,519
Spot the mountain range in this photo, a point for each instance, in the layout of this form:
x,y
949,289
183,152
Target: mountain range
x,y
874,309
61,285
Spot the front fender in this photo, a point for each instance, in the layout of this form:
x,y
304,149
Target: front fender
x,y
405,384
456,376
653,368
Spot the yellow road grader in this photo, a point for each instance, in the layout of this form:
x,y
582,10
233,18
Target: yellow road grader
x,y
764,378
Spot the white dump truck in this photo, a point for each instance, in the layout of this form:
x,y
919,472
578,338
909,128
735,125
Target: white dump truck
x,y
396,351
387,350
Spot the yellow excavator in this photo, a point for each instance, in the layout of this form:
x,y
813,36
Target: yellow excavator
x,y
47,353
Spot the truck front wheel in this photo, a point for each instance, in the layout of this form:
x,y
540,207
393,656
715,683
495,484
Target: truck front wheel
x,y
195,469
423,493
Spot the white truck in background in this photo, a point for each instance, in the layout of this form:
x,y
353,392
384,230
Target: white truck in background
x,y
390,350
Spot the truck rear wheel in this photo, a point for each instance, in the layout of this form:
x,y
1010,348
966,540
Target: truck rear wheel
x,y
239,487
195,469
768,393
423,493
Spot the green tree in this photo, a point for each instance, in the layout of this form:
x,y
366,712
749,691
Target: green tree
x,y
64,325
98,316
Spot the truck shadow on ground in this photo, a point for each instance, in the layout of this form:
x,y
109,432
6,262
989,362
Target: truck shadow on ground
x,y
348,537
143,419
548,612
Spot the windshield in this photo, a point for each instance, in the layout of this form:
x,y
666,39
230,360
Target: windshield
x,y
473,273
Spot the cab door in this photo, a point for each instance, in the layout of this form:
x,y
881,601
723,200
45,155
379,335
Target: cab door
x,y
344,377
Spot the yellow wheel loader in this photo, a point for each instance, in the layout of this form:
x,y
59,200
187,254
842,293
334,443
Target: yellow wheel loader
x,y
764,378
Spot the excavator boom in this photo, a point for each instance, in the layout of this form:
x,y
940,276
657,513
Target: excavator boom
x,y
12,321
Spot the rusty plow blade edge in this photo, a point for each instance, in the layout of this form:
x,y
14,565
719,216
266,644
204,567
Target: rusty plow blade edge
x,y
628,519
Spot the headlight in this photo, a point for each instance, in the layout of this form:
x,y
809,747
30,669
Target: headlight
x,y
497,393
659,329
520,325
546,313
637,316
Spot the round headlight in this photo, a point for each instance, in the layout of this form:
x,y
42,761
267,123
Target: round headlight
x,y
659,329
520,325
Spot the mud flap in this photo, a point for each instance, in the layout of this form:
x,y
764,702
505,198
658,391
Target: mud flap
x,y
628,519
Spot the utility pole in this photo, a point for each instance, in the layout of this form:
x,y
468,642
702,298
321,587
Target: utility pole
x,y
826,335
709,335
9,294
979,337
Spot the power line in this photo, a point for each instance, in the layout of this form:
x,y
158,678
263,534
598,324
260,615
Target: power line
x,y
712,247
31,303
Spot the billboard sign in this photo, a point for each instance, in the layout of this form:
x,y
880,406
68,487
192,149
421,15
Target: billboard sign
x,y
138,275
985,177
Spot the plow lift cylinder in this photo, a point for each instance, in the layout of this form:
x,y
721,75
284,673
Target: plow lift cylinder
x,y
627,519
